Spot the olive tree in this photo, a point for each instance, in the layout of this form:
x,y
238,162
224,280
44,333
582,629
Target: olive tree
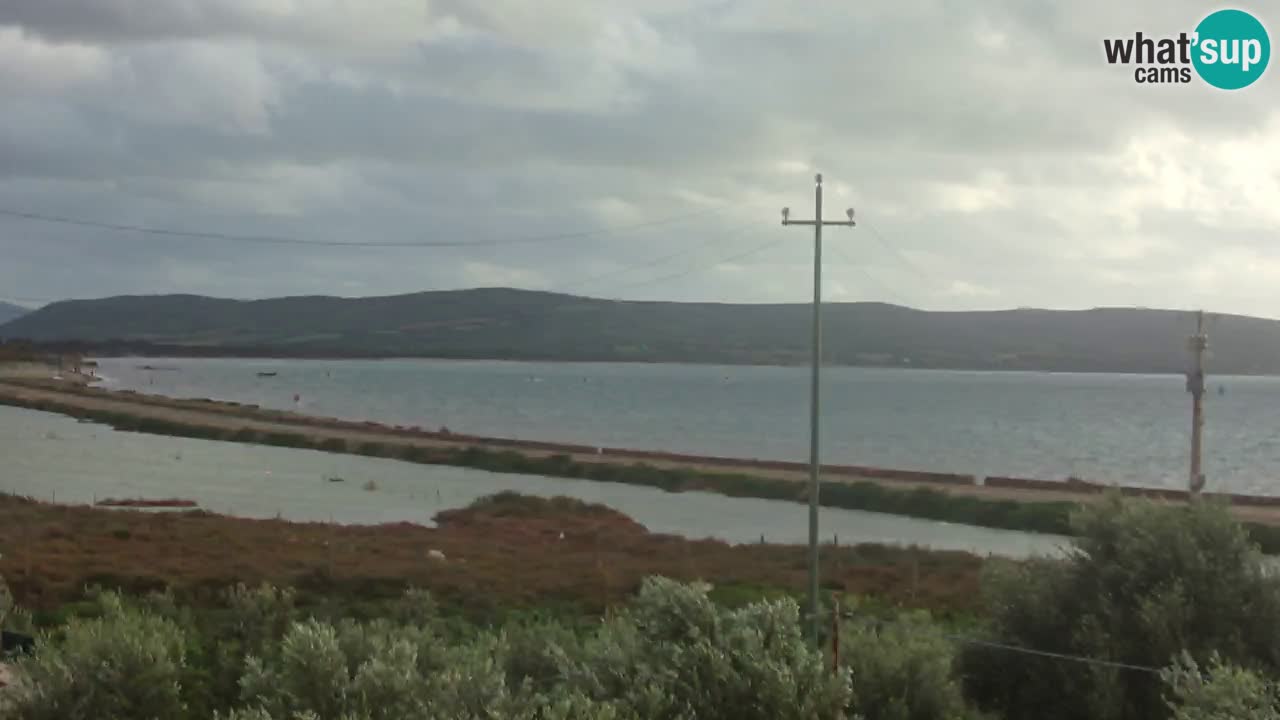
x,y
902,669
1141,584
1221,692
124,664
674,654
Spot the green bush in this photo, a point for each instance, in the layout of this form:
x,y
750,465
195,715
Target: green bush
x,y
1142,583
373,449
1266,536
902,670
333,445
283,439
245,435
672,653
125,664
1222,692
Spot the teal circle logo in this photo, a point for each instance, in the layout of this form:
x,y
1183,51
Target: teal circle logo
x,y
1231,49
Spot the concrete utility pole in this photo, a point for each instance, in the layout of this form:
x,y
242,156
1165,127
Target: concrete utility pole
x,y
1197,343
814,386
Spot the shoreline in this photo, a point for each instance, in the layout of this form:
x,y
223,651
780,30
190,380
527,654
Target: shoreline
x,y
175,353
1002,503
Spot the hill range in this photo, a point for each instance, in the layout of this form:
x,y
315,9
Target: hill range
x,y
9,312
501,323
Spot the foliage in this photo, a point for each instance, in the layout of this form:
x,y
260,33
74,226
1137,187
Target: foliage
x,y
671,654
902,669
1146,586
126,664
1223,692
514,562
20,620
1142,584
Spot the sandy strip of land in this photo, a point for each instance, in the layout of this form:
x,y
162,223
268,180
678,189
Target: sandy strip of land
x,y
74,393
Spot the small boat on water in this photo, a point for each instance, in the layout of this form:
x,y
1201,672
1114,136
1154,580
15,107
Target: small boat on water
x,y
267,374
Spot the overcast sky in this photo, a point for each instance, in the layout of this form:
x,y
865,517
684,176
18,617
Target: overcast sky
x,y
994,158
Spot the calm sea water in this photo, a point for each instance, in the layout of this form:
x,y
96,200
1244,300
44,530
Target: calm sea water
x,y
1128,429
55,457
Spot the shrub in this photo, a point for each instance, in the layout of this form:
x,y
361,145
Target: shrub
x,y
1142,583
538,653
1222,692
284,439
673,653
333,445
380,671
245,435
373,449
417,454
125,664
902,670
18,619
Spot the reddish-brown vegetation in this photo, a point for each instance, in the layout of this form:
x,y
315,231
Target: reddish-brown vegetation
x,y
515,552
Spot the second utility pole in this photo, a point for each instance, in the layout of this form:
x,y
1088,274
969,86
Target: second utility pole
x,y
1197,343
817,222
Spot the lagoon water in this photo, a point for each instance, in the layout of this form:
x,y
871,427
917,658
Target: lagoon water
x,y
1126,429
54,457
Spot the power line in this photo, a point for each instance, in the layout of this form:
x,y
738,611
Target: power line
x,y
894,252
862,273
641,283
716,240
992,644
1054,655
682,273
704,266
720,238
281,240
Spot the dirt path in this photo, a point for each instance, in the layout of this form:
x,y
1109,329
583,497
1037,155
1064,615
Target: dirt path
x,y
231,417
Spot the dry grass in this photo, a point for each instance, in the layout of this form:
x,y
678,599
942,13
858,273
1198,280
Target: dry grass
x,y
505,553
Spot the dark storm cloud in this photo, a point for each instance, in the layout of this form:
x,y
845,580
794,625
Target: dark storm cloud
x,y
991,148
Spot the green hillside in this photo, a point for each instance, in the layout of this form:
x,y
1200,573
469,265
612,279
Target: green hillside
x,y
518,324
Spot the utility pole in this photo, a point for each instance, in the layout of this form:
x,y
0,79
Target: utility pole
x,y
814,396
1197,343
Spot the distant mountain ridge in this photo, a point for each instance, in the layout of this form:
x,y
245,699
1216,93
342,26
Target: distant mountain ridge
x,y
9,312
512,324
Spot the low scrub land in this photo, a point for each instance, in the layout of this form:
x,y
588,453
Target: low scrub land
x,y
506,552
1158,612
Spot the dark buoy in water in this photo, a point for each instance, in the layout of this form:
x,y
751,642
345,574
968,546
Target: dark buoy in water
x,y
1222,390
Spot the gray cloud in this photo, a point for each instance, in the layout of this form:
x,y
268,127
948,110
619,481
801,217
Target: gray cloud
x,y
998,160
